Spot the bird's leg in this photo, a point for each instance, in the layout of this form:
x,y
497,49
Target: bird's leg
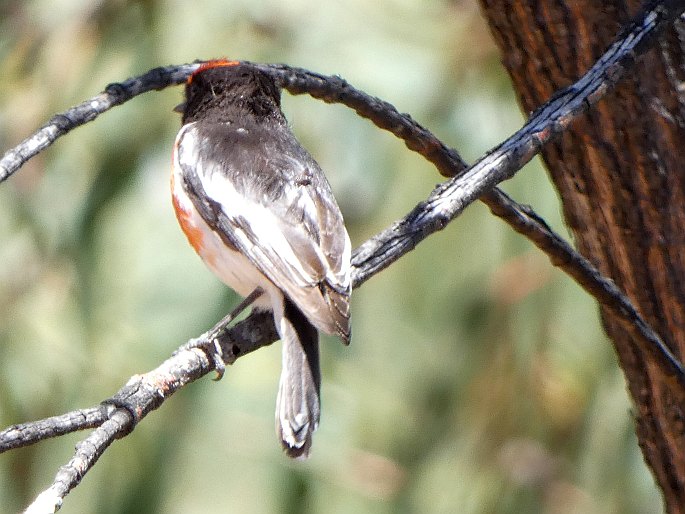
x,y
209,341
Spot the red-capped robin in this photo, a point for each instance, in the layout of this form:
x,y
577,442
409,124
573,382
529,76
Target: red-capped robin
x,y
259,211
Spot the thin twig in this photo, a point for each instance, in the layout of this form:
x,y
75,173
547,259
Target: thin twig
x,y
87,454
604,290
113,95
26,434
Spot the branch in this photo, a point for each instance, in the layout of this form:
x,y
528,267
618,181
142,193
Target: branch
x,y
26,434
113,95
146,392
524,221
88,452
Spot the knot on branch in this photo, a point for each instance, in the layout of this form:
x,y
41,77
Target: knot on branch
x,y
159,76
117,92
62,123
137,398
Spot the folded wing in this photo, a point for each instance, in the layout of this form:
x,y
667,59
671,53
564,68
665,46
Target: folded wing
x,y
266,196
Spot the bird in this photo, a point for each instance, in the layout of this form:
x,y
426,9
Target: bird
x,y
259,211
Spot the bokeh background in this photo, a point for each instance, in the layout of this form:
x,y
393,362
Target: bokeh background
x,y
478,381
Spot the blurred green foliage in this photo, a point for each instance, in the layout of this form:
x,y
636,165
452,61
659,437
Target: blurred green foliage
x,y
478,381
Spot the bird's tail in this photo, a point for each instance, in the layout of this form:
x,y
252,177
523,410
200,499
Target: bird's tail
x,y
298,404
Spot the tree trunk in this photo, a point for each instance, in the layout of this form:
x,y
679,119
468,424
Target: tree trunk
x,y
620,172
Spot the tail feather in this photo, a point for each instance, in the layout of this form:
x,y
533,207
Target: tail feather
x,y
298,403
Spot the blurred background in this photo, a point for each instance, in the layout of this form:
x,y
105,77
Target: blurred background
x,y
478,380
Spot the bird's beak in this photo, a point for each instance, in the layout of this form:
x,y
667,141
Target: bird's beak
x,y
180,108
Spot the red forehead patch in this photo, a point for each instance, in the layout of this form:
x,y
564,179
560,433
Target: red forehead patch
x,y
215,63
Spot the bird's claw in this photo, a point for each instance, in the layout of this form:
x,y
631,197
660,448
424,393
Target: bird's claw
x,y
212,348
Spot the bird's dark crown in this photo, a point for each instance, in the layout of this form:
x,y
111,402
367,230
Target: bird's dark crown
x,y
230,90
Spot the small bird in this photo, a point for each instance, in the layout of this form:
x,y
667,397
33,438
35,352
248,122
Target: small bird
x,y
259,211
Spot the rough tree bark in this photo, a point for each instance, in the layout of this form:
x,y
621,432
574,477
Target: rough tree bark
x,y
620,172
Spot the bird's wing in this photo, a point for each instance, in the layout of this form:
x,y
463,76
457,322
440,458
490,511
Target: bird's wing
x,y
266,196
